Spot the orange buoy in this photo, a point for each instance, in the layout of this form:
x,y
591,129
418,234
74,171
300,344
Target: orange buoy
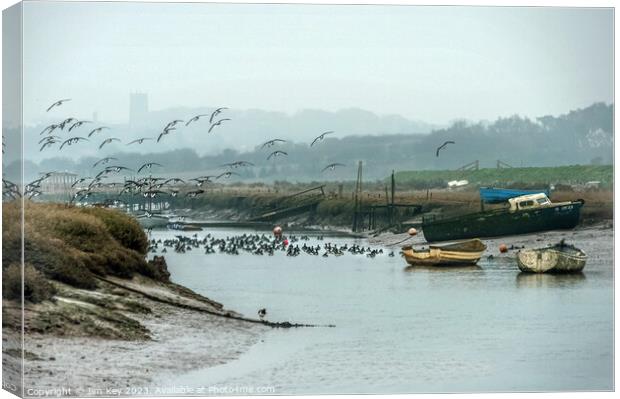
x,y
412,231
503,248
285,242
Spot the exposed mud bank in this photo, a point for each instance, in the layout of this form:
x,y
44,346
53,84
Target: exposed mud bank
x,y
88,342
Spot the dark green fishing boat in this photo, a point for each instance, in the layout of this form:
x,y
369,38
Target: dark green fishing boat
x,y
526,214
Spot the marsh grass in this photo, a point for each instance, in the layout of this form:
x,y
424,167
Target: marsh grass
x,y
36,287
338,210
71,245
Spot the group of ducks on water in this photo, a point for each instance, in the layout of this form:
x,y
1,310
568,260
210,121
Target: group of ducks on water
x,y
258,244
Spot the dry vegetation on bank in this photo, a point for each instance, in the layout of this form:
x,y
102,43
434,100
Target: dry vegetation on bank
x,y
241,202
71,245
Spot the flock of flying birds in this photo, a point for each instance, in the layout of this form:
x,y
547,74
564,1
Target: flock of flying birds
x,y
147,186
71,124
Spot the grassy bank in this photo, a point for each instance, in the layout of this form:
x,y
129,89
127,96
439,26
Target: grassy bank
x,y
70,245
543,176
333,210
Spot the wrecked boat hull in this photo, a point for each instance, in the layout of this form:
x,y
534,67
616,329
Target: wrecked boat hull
x,y
503,222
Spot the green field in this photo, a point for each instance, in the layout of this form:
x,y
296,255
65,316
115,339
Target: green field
x,y
576,174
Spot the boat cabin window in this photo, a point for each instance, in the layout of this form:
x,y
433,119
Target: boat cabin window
x,y
543,201
525,204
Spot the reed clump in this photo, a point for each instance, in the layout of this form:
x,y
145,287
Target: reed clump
x,y
72,245
36,288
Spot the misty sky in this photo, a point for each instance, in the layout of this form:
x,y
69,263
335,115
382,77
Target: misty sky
x,y
428,63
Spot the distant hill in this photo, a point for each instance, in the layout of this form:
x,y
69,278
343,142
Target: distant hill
x,y
583,136
247,129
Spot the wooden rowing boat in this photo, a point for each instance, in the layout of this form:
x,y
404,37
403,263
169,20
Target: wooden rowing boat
x,y
455,254
560,258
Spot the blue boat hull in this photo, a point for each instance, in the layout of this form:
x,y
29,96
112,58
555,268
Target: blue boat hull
x,y
491,195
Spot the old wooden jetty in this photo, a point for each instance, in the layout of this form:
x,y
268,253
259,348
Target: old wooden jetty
x,y
291,205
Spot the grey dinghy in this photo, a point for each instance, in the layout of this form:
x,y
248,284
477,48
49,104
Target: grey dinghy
x,y
560,258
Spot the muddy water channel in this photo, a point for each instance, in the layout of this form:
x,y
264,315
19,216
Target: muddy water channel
x,y
400,329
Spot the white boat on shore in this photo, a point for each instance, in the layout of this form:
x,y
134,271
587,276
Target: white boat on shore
x,y
560,258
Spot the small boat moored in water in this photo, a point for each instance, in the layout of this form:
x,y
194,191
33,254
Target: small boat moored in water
x,y
183,226
560,258
464,253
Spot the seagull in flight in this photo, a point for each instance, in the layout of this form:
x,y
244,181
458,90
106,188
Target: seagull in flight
x,y
194,193
72,140
116,168
195,118
174,180
140,140
148,165
226,175
442,146
108,141
202,180
216,113
58,104
78,124
50,140
66,122
78,181
104,161
173,123
332,166
237,164
165,132
96,130
275,154
153,193
218,123
272,142
50,129
320,137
